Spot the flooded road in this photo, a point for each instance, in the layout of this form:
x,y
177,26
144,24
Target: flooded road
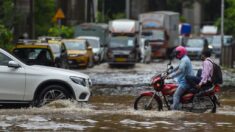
x,y
115,113
111,108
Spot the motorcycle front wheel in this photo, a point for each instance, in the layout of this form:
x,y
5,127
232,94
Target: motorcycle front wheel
x,y
145,102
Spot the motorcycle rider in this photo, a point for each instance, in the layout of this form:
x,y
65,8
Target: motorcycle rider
x,y
184,68
206,74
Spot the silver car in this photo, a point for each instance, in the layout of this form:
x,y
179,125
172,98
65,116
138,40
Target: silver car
x,y
194,47
216,43
97,48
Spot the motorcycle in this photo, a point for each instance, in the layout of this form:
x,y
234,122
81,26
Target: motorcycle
x,y
161,98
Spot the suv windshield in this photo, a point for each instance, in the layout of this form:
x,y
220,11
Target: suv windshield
x,y
119,42
195,43
34,56
75,45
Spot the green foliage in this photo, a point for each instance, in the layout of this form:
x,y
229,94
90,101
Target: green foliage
x,y
229,18
101,18
5,37
119,15
44,12
182,19
8,15
63,31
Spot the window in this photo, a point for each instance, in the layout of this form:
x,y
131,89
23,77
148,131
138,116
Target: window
x,y
32,56
75,45
4,60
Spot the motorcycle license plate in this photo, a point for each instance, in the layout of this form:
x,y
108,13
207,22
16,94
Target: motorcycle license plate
x,y
120,59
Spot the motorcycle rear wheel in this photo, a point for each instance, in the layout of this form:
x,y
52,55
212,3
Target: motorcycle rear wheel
x,y
143,103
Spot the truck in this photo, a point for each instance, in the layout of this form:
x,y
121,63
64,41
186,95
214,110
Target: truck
x,y
123,45
94,30
160,28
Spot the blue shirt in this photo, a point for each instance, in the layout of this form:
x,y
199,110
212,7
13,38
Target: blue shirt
x,y
184,68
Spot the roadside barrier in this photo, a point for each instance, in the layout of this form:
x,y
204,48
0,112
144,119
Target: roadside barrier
x,y
228,56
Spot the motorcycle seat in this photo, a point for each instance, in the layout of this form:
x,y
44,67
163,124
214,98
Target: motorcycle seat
x,y
205,91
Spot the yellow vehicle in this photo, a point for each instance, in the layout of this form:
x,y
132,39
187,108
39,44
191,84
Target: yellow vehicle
x,y
59,53
78,52
35,54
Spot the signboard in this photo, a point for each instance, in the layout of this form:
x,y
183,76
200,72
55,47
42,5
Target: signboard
x,y
59,14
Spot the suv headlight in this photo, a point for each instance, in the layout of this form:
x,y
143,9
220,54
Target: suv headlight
x,y
79,80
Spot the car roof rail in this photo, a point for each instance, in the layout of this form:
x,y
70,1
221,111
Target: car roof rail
x,y
26,41
47,38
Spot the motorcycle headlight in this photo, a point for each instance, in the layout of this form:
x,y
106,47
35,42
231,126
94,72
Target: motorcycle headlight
x,y
79,80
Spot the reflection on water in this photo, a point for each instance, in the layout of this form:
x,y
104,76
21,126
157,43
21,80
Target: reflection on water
x,y
115,113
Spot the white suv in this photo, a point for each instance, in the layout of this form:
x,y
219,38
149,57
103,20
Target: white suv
x,y
38,85
97,48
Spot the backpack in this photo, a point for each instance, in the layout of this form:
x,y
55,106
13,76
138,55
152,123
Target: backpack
x,y
217,77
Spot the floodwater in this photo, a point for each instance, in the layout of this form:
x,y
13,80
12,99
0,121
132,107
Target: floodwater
x,y
111,109
115,113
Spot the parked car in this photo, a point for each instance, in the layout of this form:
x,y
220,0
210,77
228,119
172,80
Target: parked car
x,y
97,48
35,54
216,43
79,52
194,47
145,51
37,85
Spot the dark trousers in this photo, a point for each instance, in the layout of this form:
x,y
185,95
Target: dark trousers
x,y
195,80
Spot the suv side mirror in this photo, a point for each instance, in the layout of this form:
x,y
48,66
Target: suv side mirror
x,y
13,64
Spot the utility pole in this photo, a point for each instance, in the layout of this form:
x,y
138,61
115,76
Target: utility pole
x,y
86,10
103,10
128,9
32,20
222,31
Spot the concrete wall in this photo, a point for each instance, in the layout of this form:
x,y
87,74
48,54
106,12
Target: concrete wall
x,y
193,15
137,7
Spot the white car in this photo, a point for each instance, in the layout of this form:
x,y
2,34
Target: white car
x,y
145,51
97,48
37,85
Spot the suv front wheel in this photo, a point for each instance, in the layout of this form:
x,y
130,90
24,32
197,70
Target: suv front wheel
x,y
52,93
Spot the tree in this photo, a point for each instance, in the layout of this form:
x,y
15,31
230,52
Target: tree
x,y
5,37
7,13
44,12
61,31
229,18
